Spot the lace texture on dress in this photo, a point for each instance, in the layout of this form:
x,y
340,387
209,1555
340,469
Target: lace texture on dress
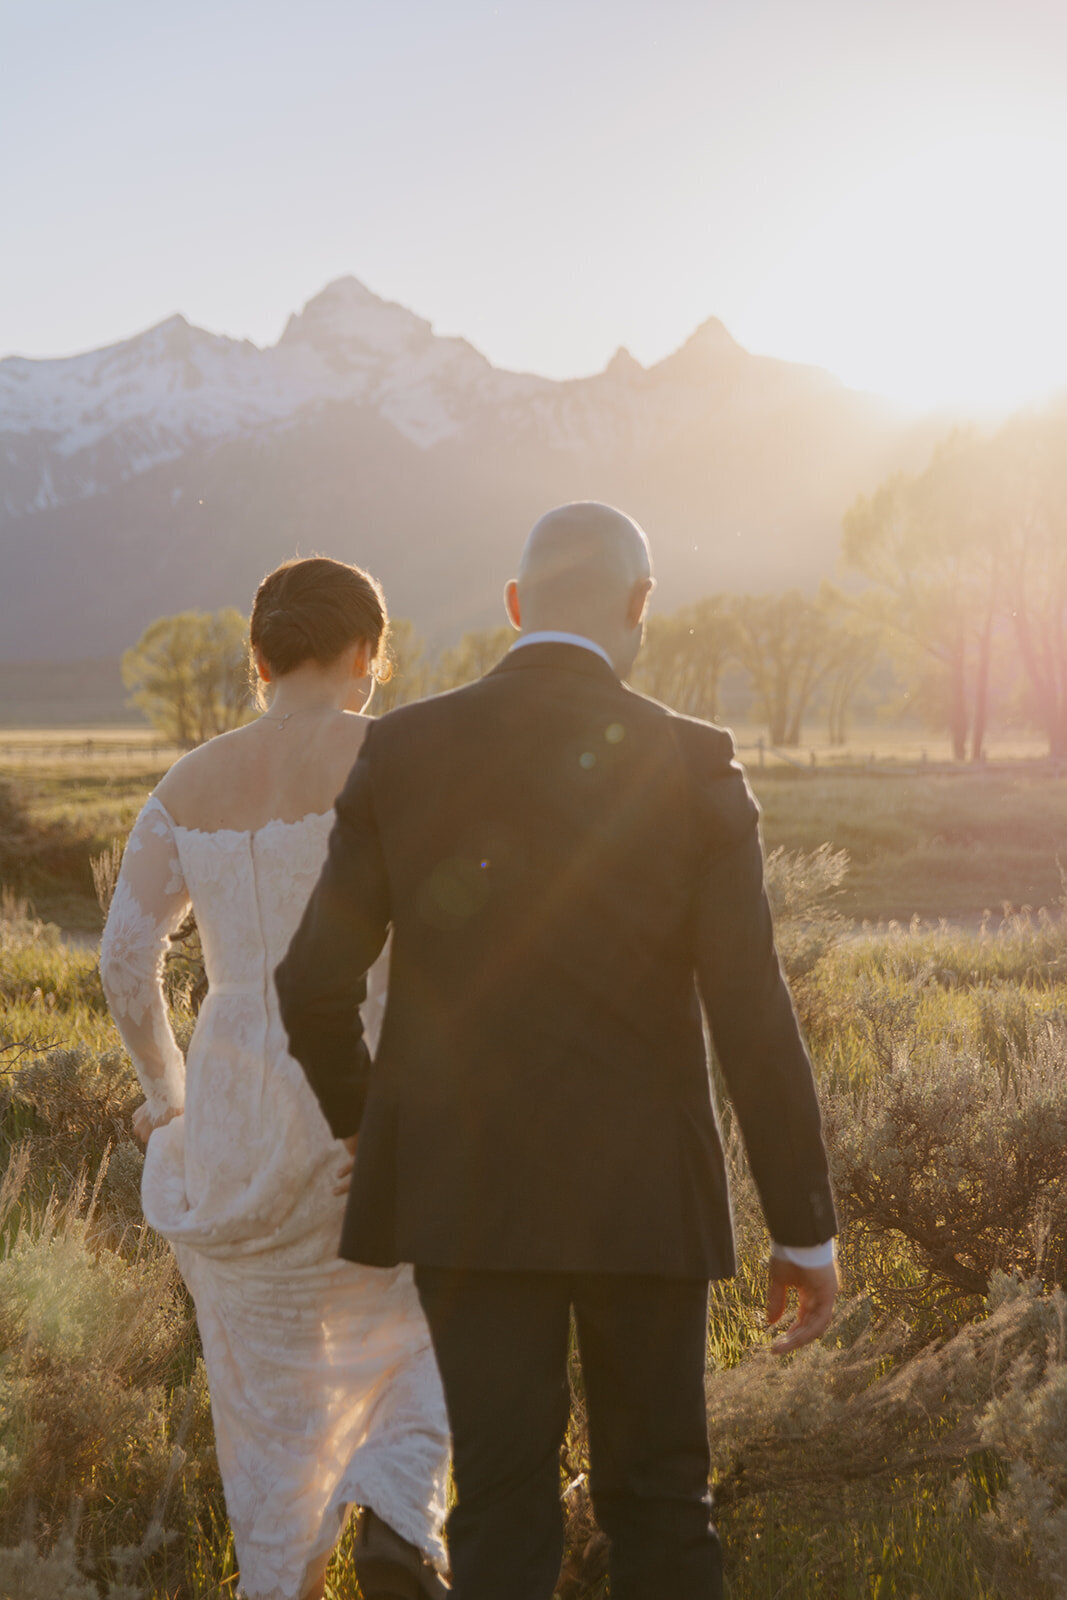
x,y
324,1388
149,903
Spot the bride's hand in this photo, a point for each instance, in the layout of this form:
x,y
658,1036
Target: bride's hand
x,y
344,1177
145,1124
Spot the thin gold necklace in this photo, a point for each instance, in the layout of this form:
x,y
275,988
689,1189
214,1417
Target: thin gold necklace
x,y
269,716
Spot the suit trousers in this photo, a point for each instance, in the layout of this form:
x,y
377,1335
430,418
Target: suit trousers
x,y
501,1340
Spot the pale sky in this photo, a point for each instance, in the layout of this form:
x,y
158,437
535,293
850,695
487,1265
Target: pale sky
x,y
874,186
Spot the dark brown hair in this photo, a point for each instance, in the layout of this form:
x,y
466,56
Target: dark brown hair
x,y
312,608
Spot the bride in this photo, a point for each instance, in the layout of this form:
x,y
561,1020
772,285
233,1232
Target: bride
x,y
324,1389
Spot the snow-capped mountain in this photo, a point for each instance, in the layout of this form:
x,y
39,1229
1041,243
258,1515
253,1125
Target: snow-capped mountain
x,y
172,468
151,398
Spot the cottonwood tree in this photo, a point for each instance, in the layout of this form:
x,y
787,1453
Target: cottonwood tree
x,y
189,674
683,656
853,645
853,653
933,548
1030,461
475,655
784,643
408,677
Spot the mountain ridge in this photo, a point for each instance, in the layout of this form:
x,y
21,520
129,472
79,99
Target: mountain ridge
x,y
364,432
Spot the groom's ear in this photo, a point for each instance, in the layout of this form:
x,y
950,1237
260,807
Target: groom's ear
x,y
511,604
639,598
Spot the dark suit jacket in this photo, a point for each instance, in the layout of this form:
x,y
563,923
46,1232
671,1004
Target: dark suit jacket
x,y
563,863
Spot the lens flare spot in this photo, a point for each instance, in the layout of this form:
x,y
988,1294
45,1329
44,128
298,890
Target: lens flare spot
x,y
454,892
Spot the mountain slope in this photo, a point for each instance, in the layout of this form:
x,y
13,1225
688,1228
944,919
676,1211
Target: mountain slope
x,y
175,468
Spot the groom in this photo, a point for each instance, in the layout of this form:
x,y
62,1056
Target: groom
x,y
565,865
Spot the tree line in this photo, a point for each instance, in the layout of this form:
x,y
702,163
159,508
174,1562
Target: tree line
x,y
966,564
189,673
963,612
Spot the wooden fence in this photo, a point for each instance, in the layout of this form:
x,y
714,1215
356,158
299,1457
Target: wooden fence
x,y
131,752
757,754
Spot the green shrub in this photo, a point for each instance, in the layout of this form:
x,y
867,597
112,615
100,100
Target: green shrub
x,y
803,888
919,1450
71,1108
48,972
1025,1424
102,1404
49,994
957,1148
38,856
870,1425
26,1574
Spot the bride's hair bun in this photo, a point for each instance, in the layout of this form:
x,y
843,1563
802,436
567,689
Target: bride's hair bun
x,y
311,609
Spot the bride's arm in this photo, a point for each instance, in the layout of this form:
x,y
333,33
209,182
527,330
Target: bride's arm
x,y
150,901
322,981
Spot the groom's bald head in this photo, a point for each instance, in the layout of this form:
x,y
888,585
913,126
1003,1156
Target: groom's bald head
x,y
585,568
576,553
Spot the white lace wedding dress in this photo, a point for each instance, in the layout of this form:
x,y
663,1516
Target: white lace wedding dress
x,y
324,1390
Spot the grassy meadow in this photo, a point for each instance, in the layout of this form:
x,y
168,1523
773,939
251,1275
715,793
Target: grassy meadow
x,y
920,1450
936,844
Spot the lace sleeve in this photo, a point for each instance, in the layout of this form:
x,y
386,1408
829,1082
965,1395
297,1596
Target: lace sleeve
x,y
372,1011
149,902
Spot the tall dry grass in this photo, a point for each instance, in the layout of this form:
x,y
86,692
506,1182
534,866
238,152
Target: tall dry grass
x,y
920,1450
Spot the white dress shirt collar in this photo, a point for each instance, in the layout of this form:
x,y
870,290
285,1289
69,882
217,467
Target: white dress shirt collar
x,y
551,636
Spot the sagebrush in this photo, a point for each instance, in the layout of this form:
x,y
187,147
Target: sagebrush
x,y
920,1450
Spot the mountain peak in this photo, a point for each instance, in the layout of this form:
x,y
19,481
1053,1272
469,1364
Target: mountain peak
x,y
347,313
400,445
711,337
346,291
173,339
709,347
624,365
158,336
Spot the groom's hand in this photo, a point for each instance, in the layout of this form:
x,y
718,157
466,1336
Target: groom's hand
x,y
816,1289
344,1177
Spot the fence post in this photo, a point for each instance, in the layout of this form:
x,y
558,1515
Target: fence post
x,y
759,746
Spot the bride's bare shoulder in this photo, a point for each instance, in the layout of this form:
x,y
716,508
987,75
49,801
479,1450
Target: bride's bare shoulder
x,y
267,768
197,767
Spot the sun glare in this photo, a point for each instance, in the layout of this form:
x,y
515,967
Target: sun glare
x,y
938,282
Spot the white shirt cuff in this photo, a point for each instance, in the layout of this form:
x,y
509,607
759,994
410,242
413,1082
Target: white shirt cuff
x,y
805,1255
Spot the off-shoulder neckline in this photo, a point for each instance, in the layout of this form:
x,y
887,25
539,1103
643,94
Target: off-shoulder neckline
x,y
239,833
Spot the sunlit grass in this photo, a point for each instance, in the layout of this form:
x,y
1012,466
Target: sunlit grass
x,y
65,814
863,1552
103,1405
935,846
